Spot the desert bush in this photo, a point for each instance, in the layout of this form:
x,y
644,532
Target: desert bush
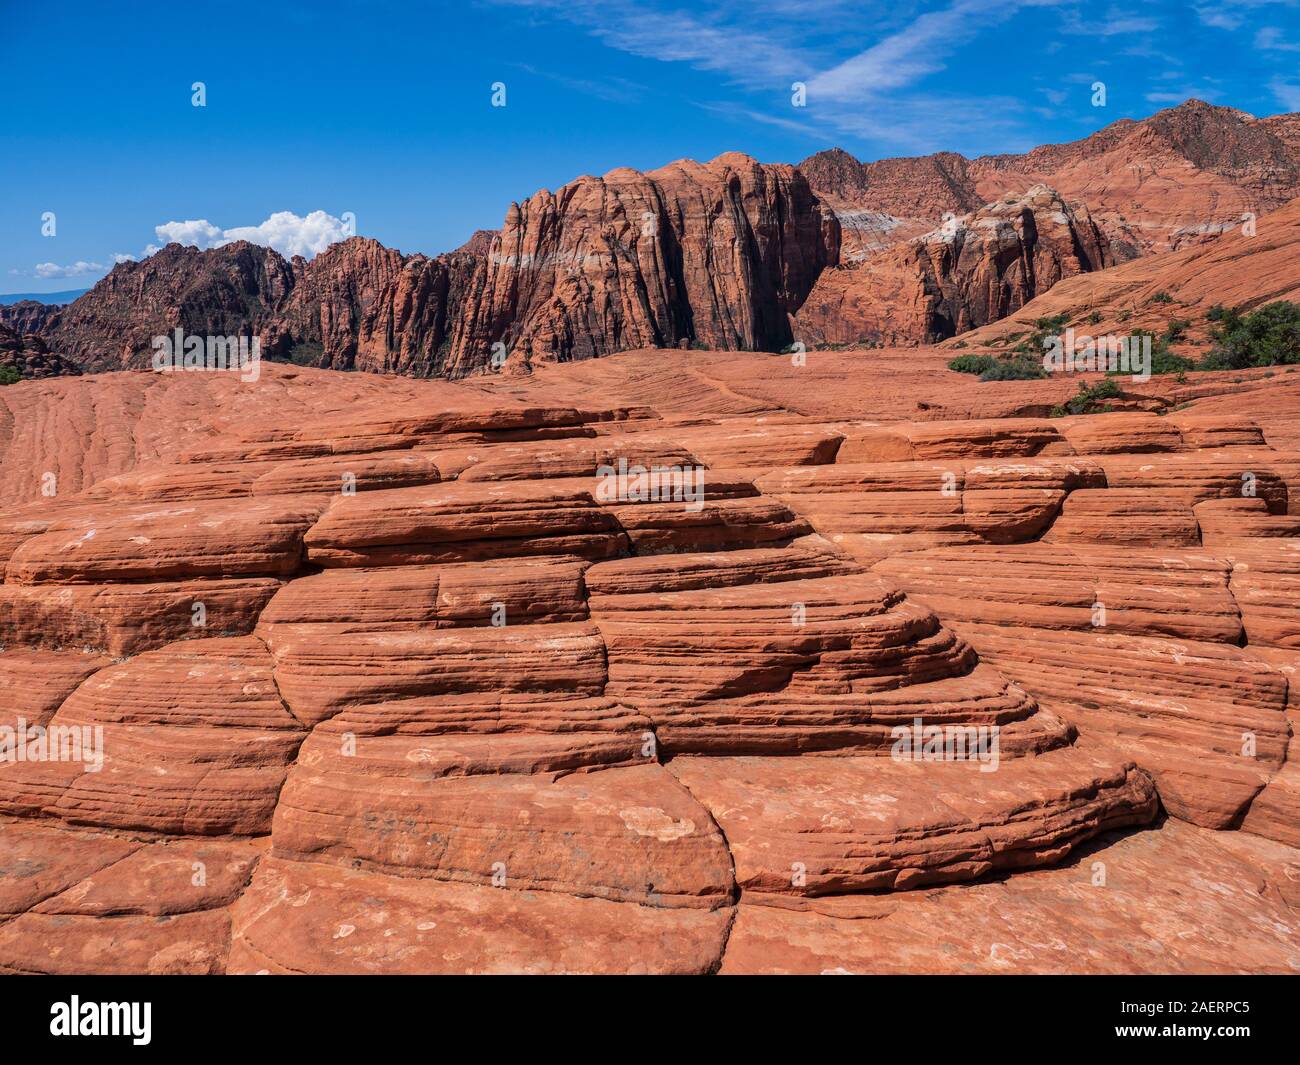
x,y
971,363
1090,399
1269,336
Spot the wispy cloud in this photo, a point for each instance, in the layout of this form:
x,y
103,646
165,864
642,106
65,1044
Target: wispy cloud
x,y
77,269
719,39
896,89
1270,39
612,90
1114,23
911,54
1287,93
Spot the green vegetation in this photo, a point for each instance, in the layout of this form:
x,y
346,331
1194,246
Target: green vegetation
x,y
9,375
1164,361
1162,297
1089,399
308,353
972,363
1094,317
1269,336
999,367
1015,369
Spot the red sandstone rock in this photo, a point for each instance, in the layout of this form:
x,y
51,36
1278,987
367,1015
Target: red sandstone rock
x,y
1172,900
498,721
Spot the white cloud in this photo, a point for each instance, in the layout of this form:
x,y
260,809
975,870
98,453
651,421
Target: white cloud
x,y
1221,18
1270,39
199,233
284,231
716,37
910,54
290,235
47,270
1287,92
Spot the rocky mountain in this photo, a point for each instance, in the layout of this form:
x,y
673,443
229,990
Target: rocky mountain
x,y
1163,182
717,254
1235,269
731,254
27,316
222,291
974,269
720,255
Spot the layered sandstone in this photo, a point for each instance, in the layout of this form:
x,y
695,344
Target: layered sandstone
x,y
522,711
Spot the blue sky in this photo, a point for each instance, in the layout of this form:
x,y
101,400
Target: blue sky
x,y
384,109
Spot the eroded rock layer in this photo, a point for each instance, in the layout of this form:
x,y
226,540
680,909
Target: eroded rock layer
x,y
442,678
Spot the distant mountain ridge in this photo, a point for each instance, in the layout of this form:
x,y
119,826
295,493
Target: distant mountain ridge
x,y
42,297
730,254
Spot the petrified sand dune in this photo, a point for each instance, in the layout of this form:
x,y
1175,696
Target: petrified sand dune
x,y
466,711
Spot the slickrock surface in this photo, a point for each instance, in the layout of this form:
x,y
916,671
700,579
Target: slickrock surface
x,y
1171,900
375,675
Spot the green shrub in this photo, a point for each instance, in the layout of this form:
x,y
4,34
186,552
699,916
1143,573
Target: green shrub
x,y
1094,317
1089,399
9,375
1269,336
972,363
999,368
1015,369
1162,297
1164,361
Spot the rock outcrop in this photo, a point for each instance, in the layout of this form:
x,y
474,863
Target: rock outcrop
x,y
975,269
1156,184
400,648
717,255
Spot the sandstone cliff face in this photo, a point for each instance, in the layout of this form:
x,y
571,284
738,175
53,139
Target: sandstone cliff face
x,y
718,254
320,321
973,270
1177,178
1234,270
409,328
